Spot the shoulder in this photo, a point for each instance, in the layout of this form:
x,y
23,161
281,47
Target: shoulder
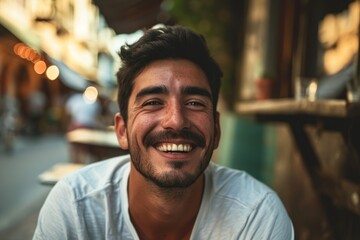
x,y
237,185
82,198
97,176
241,194
235,196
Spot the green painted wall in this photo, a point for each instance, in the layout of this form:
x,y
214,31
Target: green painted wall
x,y
247,145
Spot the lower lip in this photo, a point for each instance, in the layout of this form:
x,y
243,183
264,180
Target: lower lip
x,y
175,156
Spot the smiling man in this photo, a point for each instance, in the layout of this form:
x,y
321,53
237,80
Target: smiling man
x,y
167,187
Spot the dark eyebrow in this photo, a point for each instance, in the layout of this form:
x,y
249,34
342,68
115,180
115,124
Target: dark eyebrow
x,y
196,91
151,90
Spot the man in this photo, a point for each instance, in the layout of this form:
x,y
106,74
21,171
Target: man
x,y
166,188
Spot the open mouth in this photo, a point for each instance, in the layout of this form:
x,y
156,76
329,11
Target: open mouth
x,y
170,141
174,148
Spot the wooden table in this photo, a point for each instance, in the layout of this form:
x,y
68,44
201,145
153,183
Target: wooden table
x,y
93,137
58,171
336,194
89,145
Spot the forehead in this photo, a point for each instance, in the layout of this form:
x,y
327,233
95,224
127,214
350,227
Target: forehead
x,y
171,73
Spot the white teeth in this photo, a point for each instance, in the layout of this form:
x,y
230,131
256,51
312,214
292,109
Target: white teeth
x,y
187,148
180,147
172,147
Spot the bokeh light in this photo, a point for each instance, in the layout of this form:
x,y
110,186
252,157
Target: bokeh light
x,y
40,67
90,94
52,72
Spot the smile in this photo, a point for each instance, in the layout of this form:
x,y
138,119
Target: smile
x,y
172,147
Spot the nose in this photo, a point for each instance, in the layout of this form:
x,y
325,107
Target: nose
x,y
175,117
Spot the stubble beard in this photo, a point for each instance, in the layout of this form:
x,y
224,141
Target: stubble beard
x,y
173,179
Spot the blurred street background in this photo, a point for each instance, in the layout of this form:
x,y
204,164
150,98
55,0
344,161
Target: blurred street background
x,y
22,194
58,96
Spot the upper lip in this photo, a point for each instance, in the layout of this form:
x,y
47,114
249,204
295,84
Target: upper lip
x,y
181,137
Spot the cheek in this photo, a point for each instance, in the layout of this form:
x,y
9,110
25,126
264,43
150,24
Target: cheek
x,y
141,125
205,125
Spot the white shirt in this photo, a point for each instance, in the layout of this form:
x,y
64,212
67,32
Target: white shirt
x,y
93,204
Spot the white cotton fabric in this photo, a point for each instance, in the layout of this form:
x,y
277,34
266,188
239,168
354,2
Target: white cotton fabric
x,y
93,204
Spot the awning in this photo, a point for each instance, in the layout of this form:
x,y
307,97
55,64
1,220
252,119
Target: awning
x,y
127,16
27,36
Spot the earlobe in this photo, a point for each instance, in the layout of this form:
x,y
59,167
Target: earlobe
x,y
120,130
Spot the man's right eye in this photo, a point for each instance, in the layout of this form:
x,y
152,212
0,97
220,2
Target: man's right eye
x,y
152,103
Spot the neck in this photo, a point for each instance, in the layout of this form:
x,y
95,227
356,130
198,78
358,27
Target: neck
x,y
163,213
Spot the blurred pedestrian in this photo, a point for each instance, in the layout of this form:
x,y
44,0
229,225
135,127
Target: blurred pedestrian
x,y
82,112
9,113
36,103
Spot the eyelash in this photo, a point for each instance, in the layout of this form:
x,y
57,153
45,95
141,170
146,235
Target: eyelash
x,y
156,102
195,103
152,103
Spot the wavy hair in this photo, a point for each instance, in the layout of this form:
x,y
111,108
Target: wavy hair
x,y
169,42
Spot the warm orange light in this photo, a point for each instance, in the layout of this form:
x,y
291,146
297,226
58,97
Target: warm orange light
x,y
40,67
16,48
90,94
32,56
21,50
26,53
52,72
36,58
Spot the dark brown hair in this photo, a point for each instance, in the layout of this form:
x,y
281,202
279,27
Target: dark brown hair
x,y
169,42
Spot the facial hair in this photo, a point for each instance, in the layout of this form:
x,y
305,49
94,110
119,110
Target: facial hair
x,y
174,178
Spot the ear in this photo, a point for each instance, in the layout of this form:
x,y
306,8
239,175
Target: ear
x,y
120,130
217,130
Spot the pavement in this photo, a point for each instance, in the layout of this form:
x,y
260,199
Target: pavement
x,y
22,195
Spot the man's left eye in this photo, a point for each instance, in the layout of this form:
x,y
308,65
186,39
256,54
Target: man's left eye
x,y
195,103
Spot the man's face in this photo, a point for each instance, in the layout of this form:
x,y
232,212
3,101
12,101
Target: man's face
x,y
171,131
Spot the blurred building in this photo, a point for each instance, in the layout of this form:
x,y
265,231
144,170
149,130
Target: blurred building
x,y
263,46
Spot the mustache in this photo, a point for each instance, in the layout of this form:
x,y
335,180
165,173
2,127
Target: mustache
x,y
155,137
